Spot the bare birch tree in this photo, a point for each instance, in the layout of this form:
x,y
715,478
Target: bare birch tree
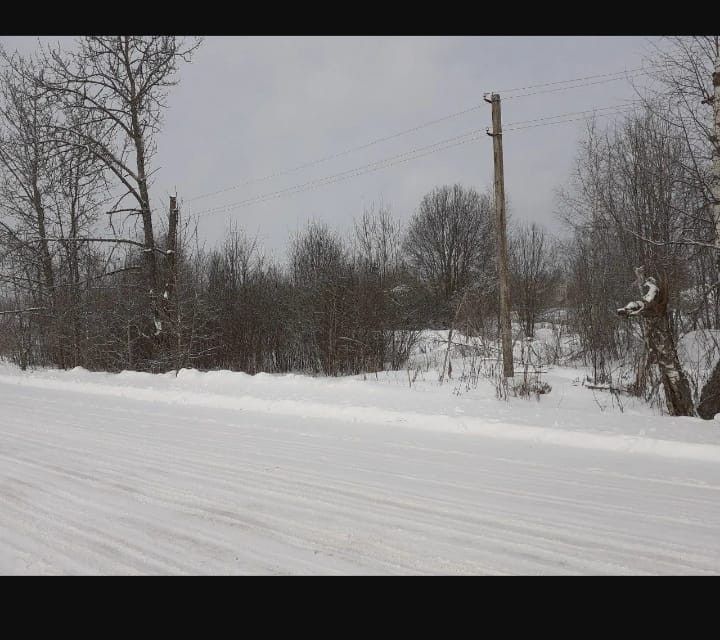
x,y
652,308
632,200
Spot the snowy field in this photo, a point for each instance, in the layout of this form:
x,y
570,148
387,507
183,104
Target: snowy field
x,y
225,473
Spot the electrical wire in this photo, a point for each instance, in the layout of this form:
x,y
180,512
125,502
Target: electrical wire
x,y
339,154
414,154
608,77
576,86
620,74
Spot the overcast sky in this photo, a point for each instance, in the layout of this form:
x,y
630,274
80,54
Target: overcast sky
x,y
247,107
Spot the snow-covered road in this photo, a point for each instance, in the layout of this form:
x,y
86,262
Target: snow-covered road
x,y
93,483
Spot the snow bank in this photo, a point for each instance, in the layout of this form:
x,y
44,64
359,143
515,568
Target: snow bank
x,y
375,402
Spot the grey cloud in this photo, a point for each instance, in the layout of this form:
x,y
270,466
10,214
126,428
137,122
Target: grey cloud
x,y
246,107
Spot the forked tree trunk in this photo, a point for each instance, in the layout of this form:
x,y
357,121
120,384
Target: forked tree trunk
x,y
662,349
652,308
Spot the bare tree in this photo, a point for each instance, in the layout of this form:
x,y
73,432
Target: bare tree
x,y
320,273
661,345
629,203
687,91
383,315
687,82
118,85
29,172
449,242
534,272
378,242
49,197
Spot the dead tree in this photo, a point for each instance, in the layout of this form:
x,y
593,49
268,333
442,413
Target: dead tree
x,y
652,308
121,83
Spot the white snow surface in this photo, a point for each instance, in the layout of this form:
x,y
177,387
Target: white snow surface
x,y
699,352
226,473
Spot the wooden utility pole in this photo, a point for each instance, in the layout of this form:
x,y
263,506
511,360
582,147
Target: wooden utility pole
x,y
500,224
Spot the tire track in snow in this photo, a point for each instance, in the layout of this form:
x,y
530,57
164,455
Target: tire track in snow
x,y
435,513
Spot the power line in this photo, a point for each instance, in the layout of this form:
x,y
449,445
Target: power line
x,y
620,75
549,124
371,166
340,154
412,154
387,162
576,86
338,177
628,104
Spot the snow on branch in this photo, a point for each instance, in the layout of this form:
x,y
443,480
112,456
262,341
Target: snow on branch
x,y
648,301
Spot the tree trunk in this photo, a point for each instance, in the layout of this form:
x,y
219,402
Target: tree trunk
x,y
661,345
710,395
138,139
662,349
